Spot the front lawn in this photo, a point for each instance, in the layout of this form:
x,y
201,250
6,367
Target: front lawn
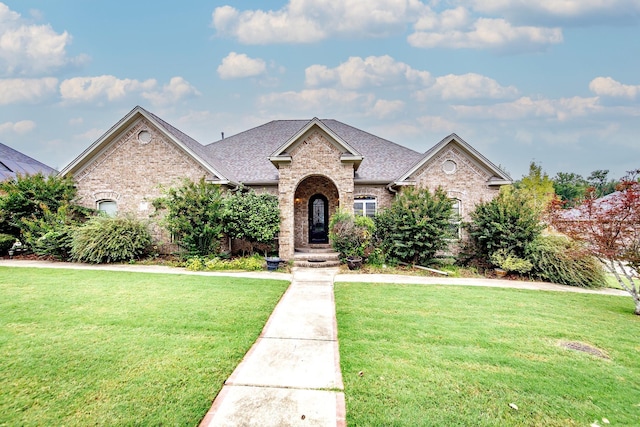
x,y
459,356
112,348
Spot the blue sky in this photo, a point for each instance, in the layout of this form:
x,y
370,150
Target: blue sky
x,y
551,81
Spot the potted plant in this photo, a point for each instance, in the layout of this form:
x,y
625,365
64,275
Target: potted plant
x,y
351,236
273,262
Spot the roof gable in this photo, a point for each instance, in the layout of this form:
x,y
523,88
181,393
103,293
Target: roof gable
x,y
349,154
184,142
497,176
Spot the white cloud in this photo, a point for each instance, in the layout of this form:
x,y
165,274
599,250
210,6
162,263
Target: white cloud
x,y
373,71
21,127
606,86
27,49
467,86
315,100
487,33
89,89
307,21
238,65
26,90
526,108
177,89
90,135
559,10
384,108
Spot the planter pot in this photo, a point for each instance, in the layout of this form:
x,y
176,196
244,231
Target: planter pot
x,y
273,263
354,262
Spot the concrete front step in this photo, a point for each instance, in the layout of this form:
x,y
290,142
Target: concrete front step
x,y
316,263
316,257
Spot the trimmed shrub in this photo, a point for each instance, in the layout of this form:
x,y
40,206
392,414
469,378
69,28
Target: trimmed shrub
x,y
110,239
251,263
193,216
509,262
415,227
6,242
252,217
505,222
560,260
350,235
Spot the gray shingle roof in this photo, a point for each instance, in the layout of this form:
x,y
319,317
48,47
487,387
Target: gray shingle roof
x,y
246,154
13,162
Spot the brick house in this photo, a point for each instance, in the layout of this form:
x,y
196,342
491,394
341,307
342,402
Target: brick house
x,y
313,166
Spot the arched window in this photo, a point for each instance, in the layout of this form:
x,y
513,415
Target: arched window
x,y
109,207
456,218
365,206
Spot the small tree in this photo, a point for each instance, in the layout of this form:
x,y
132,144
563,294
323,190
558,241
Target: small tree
x,y
610,227
29,197
416,226
193,216
252,217
536,188
506,222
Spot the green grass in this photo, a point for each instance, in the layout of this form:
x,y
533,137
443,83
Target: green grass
x,y
111,348
458,356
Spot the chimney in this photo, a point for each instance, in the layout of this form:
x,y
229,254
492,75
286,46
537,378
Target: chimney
x,y
222,135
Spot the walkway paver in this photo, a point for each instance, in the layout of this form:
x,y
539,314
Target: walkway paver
x,y
291,376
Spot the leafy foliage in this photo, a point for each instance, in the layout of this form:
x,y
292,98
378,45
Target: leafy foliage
x,y
52,234
416,226
252,217
600,183
536,188
560,260
570,187
251,263
6,242
509,262
350,235
610,228
505,222
29,196
110,239
193,216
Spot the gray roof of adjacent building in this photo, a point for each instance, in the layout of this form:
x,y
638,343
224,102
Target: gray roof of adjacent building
x,y
13,162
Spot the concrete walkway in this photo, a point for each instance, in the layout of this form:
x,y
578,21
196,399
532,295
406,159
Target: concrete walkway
x,y
291,376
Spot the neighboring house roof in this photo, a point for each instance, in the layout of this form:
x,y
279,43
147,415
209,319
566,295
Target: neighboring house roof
x,y
13,162
601,204
497,175
180,139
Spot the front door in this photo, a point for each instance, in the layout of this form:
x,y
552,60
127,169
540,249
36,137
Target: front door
x,y
318,219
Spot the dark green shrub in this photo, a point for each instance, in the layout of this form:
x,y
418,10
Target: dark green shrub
x,y
416,226
560,260
52,234
193,216
27,197
350,235
505,222
6,242
110,239
252,217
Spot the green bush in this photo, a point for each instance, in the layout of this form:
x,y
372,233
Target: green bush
x,y
110,239
350,235
193,216
27,197
6,242
415,227
505,222
251,263
252,217
509,262
52,234
560,260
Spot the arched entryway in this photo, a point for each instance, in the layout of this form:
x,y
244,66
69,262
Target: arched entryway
x,y
318,219
316,199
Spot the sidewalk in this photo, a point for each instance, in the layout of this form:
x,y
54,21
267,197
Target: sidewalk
x,y
291,376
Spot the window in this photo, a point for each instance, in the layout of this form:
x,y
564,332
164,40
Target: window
x,y
110,207
456,218
365,206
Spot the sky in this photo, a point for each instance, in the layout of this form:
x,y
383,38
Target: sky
x,y
556,82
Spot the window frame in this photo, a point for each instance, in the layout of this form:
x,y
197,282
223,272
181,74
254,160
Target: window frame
x,y
111,213
365,200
